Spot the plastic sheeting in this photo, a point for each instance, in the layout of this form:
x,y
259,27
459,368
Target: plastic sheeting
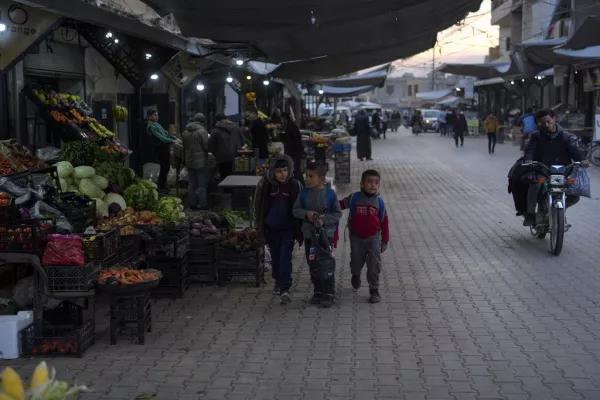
x,y
488,70
376,78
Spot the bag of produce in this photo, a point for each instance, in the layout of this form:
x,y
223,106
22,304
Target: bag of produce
x,y
63,250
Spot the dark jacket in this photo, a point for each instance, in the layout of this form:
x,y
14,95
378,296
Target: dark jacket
x,y
361,126
560,150
451,118
376,121
269,191
460,126
195,145
225,140
260,138
293,140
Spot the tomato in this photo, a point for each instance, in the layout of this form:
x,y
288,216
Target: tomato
x,y
3,195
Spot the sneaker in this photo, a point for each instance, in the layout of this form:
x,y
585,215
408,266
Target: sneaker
x,y
356,281
374,297
285,298
327,301
316,298
529,220
276,291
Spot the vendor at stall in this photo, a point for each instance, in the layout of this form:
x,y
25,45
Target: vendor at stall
x,y
225,141
160,140
258,131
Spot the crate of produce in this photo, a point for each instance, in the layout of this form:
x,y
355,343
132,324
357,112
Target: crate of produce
x,y
80,211
78,278
66,313
174,281
202,271
201,249
132,249
171,244
101,246
28,236
240,262
44,340
130,315
244,165
8,211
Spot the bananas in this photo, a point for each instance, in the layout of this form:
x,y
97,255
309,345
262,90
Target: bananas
x,y
120,113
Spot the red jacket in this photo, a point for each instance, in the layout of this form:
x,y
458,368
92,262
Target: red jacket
x,y
365,219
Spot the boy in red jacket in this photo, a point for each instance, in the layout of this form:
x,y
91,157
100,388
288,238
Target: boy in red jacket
x,y
369,232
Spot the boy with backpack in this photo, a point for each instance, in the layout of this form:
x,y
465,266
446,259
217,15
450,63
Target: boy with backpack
x,y
369,232
319,210
275,197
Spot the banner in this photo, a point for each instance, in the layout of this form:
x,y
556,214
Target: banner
x,y
20,27
183,68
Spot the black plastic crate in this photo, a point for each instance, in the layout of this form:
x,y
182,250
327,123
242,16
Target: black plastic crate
x,y
203,272
130,315
132,248
44,340
28,236
104,247
8,213
79,278
66,313
174,281
201,250
80,214
171,246
240,261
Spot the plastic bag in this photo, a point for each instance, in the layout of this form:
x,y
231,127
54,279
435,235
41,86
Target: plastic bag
x,y
23,292
7,186
172,177
267,263
63,250
47,153
184,175
40,210
581,187
151,171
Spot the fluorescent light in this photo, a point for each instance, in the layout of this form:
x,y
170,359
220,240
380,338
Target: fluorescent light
x,y
200,86
2,27
154,77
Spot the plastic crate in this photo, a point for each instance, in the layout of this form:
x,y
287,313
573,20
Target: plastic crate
x,y
81,215
174,280
66,313
44,340
338,148
78,278
201,250
246,263
103,248
26,236
171,246
8,213
131,249
203,272
130,315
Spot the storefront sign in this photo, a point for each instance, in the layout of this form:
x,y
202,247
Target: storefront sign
x,y
183,68
20,27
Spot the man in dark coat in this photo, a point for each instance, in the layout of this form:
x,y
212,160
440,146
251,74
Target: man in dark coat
x,y
362,130
258,131
293,146
376,122
460,128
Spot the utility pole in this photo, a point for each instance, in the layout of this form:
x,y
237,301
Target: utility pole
x,y
433,69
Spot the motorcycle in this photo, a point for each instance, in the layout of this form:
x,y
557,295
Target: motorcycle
x,y
551,207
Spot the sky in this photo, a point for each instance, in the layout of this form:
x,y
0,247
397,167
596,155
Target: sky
x,y
468,43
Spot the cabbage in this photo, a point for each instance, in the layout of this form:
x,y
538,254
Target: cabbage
x,y
84,172
100,181
87,187
73,189
101,209
64,169
69,180
115,198
63,184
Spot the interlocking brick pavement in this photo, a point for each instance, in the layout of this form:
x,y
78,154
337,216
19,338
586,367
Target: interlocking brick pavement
x,y
473,306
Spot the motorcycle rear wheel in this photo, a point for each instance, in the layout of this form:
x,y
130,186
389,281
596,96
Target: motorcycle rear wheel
x,y
557,230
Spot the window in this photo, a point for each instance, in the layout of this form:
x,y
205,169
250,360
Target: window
x,y
409,90
508,43
416,89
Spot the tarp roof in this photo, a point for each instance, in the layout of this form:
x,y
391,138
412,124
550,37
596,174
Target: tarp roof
x,y
327,38
434,95
375,77
586,36
331,91
482,71
541,52
451,100
591,53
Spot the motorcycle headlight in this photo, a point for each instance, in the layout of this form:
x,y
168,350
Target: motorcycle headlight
x,y
557,180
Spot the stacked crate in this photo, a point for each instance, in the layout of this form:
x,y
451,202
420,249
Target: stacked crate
x,y
342,162
168,253
202,260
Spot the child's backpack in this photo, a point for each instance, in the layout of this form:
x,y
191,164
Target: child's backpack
x,y
329,199
353,205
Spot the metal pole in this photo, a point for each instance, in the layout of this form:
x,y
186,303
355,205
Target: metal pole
x,y
182,121
4,123
433,70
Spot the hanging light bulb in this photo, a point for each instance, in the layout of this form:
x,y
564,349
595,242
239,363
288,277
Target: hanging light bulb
x,y
248,77
229,78
200,87
148,56
154,77
239,61
512,82
313,19
116,40
109,35
321,91
266,82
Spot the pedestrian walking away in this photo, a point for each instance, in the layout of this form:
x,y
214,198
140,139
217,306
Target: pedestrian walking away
x,y
369,232
491,127
442,122
362,130
258,131
275,197
460,128
450,121
319,210
195,148
225,141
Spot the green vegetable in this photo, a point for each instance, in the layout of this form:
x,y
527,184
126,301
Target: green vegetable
x,y
64,169
101,209
168,208
63,184
138,197
84,172
87,187
100,181
81,152
234,218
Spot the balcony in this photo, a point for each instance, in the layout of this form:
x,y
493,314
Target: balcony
x,y
502,9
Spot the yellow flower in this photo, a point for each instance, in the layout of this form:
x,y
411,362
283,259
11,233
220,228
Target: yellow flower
x,y
12,384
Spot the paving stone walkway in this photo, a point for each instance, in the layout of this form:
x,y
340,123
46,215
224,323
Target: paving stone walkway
x,y
473,306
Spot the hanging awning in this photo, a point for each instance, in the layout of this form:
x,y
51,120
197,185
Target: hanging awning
x,y
324,39
375,78
586,36
591,53
433,95
330,91
452,100
541,52
488,70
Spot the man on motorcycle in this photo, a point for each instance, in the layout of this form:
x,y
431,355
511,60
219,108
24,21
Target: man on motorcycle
x,y
550,145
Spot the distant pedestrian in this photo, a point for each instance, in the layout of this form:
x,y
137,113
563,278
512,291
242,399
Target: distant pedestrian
x,y
258,131
460,128
195,147
225,141
527,122
450,122
442,123
362,130
293,146
491,127
376,123
369,232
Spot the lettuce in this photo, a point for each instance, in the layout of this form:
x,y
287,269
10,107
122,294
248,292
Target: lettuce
x,y
88,188
101,209
64,169
100,181
83,172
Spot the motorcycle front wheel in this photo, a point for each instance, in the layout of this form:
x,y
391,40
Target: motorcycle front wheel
x,y
594,155
557,230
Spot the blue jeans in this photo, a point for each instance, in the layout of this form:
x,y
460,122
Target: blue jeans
x,y
197,187
449,129
281,245
443,128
